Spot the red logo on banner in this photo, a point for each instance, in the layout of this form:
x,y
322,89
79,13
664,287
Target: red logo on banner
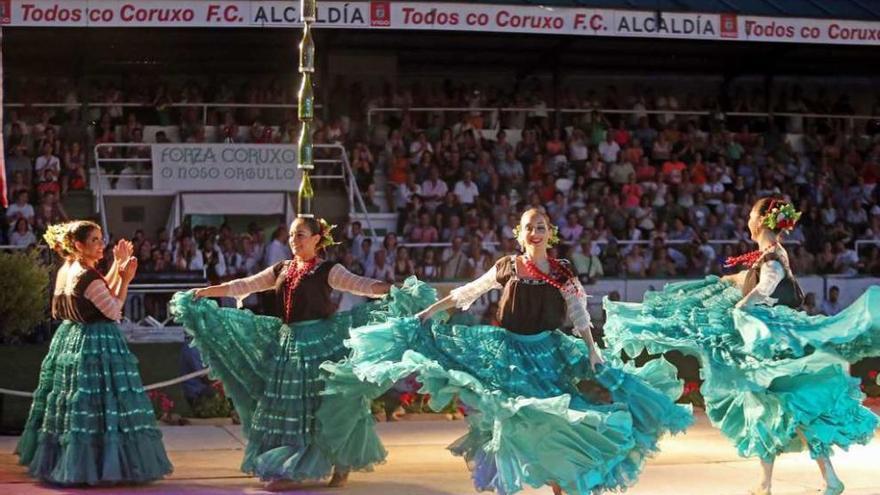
x,y
728,26
380,14
5,11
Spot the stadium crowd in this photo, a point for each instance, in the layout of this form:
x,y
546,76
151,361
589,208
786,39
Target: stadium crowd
x,y
644,193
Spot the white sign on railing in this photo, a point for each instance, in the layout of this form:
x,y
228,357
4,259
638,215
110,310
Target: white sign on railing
x,y
224,167
442,16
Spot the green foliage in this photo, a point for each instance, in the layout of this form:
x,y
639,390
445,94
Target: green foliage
x,y
214,406
24,282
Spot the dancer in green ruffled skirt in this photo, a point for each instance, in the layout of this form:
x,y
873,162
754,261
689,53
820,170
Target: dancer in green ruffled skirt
x,y
530,423
269,365
90,421
775,379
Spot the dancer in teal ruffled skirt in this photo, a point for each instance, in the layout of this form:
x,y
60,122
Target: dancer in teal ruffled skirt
x,y
547,409
775,379
90,421
269,365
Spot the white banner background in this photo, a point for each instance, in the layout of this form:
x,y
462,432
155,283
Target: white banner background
x,y
224,167
440,16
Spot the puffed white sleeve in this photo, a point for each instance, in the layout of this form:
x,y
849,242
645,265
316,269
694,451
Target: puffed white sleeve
x,y
772,273
243,287
576,302
343,280
465,295
99,294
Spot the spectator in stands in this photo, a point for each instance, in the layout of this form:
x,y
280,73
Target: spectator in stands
x,y
389,244
380,269
21,209
187,256
845,260
662,265
18,161
22,235
831,306
434,190
213,260
424,232
803,263
19,184
587,265
362,165
456,264
403,266
609,149
511,170
466,190
453,229
635,263
277,250
48,171
74,176
428,269
49,211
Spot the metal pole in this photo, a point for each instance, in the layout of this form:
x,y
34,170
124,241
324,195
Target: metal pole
x,y
306,109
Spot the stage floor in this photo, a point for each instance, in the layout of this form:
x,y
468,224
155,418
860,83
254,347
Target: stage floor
x,y
701,462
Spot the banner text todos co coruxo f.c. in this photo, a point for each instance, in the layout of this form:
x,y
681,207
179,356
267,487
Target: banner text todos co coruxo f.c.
x,y
439,16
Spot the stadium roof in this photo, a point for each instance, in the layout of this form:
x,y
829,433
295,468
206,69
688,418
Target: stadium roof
x,y
866,10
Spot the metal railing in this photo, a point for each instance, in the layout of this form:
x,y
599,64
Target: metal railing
x,y
345,174
851,118
648,242
84,106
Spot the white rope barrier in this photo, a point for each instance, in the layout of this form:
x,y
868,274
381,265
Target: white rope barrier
x,y
166,383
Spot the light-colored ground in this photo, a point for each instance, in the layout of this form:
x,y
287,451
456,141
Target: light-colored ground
x,y
701,462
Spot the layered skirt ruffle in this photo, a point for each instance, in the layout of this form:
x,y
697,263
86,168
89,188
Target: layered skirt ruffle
x,y
91,421
531,425
271,371
774,379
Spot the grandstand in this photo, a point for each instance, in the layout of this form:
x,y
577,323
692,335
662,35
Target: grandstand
x,y
643,142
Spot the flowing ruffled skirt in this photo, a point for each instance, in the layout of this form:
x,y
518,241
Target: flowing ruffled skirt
x,y
91,421
775,379
271,371
531,424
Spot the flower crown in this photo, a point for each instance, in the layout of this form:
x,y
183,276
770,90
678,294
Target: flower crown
x,y
554,234
58,237
781,216
326,234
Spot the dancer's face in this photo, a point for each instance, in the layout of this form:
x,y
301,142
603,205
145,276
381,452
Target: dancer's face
x,y
754,224
91,250
303,242
534,231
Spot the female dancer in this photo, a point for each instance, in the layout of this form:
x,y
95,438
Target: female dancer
x,y
269,364
90,420
775,379
533,424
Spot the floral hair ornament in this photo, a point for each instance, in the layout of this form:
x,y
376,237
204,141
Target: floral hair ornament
x,y
781,216
326,234
58,238
554,234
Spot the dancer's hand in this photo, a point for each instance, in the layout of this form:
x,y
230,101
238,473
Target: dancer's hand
x,y
123,250
596,358
128,269
200,293
425,315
